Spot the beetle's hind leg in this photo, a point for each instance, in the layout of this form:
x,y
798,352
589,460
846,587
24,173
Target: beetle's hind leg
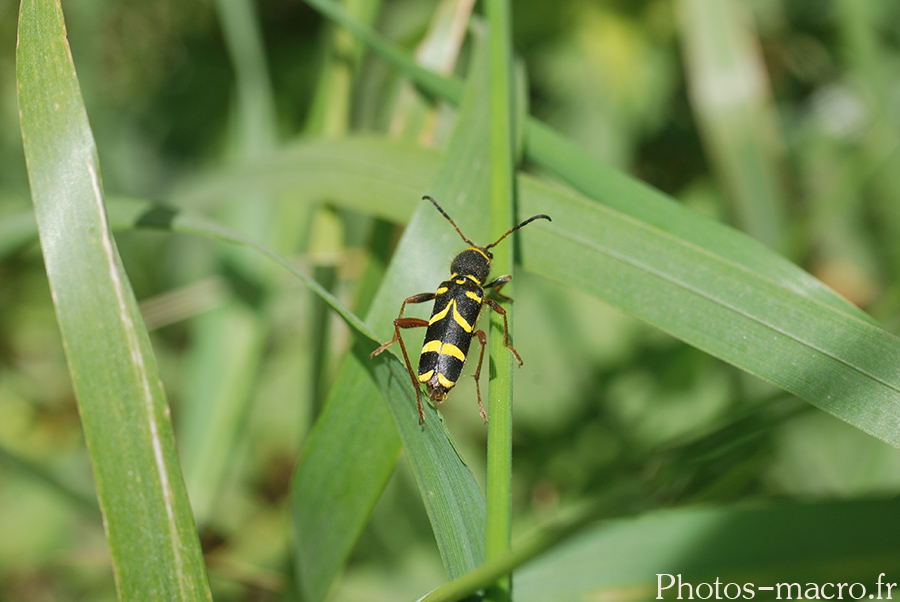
x,y
479,334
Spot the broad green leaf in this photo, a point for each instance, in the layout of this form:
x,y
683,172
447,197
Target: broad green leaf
x,y
150,528
835,360
576,559
836,542
631,197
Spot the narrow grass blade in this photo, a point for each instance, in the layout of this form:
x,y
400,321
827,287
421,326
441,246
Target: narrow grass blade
x,y
134,213
227,343
501,138
452,498
329,114
733,103
126,423
392,174
255,102
345,464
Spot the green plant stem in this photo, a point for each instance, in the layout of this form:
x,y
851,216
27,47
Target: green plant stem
x,y
502,178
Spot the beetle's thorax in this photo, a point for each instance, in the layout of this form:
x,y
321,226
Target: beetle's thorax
x,y
474,262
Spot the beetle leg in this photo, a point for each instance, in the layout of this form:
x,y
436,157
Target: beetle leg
x,y
500,282
402,322
496,307
483,340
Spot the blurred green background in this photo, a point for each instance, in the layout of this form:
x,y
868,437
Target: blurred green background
x,y
801,152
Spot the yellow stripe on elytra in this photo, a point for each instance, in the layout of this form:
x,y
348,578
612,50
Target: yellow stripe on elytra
x,y
432,346
459,319
456,316
473,296
444,381
453,351
450,349
443,313
424,378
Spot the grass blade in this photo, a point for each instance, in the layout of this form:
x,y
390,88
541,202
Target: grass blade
x,y
833,359
228,342
501,138
765,315
125,418
452,498
605,184
763,546
346,462
731,97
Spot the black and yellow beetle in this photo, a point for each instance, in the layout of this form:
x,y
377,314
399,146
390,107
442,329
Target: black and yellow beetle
x,y
457,304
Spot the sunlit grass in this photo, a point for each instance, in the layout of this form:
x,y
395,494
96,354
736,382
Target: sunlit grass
x,y
303,459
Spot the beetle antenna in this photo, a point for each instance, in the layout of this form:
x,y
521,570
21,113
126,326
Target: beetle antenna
x,y
450,219
525,223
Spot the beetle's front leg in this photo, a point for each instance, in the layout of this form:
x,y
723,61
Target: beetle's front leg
x,y
499,283
402,322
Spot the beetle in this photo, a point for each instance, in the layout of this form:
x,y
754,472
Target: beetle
x,y
457,305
